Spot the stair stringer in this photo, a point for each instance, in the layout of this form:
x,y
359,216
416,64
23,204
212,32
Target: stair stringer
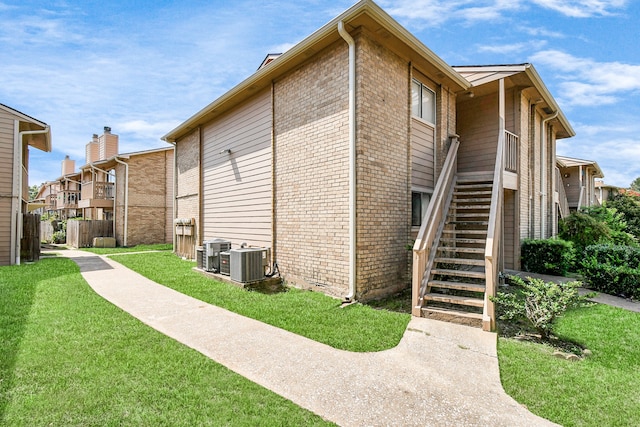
x,y
424,287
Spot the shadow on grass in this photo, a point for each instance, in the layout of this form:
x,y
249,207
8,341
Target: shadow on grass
x,y
18,285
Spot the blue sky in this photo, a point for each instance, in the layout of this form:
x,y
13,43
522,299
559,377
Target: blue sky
x,y
143,67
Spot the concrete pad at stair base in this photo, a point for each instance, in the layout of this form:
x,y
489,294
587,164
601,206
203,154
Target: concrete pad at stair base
x,y
439,375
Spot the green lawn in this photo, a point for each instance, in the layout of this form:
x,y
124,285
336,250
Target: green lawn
x,y
69,358
601,390
311,314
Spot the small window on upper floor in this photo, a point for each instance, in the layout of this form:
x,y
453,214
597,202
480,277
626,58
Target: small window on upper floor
x,y
423,102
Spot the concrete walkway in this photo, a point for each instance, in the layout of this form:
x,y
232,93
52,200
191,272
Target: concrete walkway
x,y
440,374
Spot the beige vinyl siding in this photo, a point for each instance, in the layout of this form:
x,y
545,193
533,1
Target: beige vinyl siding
x,y
478,134
511,251
422,144
237,193
6,183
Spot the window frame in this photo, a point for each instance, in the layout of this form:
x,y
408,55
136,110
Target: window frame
x,y
424,194
434,104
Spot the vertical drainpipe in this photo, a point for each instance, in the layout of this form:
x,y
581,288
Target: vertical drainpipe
x,y
17,156
174,207
543,176
352,160
126,200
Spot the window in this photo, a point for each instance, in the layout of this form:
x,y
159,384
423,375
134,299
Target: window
x,y
423,102
419,203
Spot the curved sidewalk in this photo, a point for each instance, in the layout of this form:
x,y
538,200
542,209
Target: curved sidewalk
x,y
440,374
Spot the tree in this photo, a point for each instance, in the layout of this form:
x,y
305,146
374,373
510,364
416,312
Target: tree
x,y
33,191
635,185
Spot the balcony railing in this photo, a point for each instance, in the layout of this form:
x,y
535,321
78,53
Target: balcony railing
x,y
97,190
563,202
510,151
68,199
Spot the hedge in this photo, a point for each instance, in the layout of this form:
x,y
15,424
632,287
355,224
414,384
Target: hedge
x,y
548,256
614,270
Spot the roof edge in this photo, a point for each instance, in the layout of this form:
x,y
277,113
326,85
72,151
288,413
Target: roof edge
x,y
279,64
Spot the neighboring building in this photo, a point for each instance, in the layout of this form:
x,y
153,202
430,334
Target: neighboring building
x,y
579,181
136,191
604,192
18,132
340,152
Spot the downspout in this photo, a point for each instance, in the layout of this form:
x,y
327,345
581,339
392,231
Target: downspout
x,y
126,200
17,155
175,194
543,176
352,160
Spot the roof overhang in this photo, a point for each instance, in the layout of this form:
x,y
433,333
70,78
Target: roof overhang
x,y
569,162
41,141
484,79
363,14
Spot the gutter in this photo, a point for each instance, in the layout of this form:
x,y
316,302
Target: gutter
x,y
17,196
352,161
126,201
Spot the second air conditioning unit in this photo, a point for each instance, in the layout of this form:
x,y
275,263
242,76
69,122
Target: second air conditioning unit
x,y
248,264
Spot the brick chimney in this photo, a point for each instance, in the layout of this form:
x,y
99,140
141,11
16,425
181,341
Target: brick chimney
x,y
68,166
108,144
93,150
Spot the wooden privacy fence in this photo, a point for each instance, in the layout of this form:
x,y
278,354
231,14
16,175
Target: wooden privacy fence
x,y
30,241
80,234
46,231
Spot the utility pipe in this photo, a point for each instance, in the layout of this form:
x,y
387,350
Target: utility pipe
x,y
17,197
126,200
174,206
543,176
352,160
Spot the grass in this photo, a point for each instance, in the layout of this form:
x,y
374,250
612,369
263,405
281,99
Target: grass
x,y
137,248
311,314
600,390
67,357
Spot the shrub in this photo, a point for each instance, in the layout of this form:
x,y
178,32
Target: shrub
x,y
540,303
583,230
629,207
613,270
548,256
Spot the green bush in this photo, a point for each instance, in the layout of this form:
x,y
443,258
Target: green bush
x,y
540,303
583,230
614,270
629,207
548,256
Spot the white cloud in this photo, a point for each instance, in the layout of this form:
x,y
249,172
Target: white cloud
x,y
144,129
586,82
582,8
436,12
